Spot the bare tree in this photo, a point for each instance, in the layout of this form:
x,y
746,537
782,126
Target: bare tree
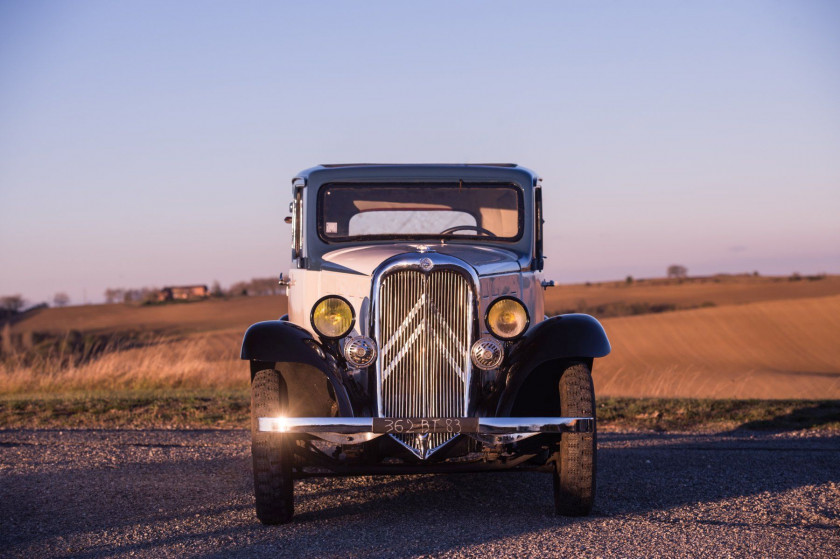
x,y
149,294
264,286
139,295
257,286
12,303
61,299
675,271
238,288
114,295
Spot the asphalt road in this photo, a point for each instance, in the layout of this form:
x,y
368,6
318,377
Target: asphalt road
x,y
188,493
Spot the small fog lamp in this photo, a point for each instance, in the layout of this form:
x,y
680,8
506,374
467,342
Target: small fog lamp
x,y
507,318
487,354
333,317
360,351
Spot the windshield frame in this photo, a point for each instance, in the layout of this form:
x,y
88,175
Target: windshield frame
x,y
520,207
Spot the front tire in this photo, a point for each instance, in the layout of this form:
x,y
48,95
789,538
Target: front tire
x,y
272,453
574,462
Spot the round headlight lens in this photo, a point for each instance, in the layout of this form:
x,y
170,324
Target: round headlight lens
x,y
507,318
333,317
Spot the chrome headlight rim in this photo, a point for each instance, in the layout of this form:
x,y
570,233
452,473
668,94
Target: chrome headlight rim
x,y
500,336
352,317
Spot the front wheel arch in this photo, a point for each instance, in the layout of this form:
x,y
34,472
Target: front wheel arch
x,y
538,395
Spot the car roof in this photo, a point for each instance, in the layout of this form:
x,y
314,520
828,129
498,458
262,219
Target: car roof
x,y
422,170
333,165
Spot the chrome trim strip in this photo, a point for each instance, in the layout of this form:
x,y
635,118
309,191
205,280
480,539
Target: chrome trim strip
x,y
486,425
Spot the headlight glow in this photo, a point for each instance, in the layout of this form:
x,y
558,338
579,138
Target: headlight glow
x,y
279,424
507,318
333,317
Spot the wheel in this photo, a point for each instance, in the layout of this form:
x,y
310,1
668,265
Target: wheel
x,y
574,461
272,453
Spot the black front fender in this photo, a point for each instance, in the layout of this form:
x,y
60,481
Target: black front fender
x,y
277,342
564,337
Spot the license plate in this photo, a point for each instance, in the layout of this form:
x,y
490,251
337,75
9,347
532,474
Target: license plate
x,y
423,425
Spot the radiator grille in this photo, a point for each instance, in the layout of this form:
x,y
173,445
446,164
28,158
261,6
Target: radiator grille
x,y
425,328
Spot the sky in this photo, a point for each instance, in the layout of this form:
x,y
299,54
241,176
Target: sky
x,y
148,143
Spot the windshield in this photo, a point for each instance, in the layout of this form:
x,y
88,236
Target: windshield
x,y
420,211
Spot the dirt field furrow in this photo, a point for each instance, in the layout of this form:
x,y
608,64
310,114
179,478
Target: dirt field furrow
x,y
774,349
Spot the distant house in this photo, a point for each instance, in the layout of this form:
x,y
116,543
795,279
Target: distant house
x,y
183,293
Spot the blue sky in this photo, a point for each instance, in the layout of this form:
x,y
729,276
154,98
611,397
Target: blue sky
x,y
152,143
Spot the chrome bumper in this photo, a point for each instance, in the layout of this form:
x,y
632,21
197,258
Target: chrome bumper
x,y
485,426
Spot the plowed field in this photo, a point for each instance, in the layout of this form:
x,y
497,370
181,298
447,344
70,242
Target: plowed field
x,y
774,349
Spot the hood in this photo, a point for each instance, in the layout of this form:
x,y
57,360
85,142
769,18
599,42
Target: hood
x,y
365,259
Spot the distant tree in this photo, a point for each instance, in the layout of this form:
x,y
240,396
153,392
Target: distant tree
x,y
12,303
628,280
114,295
237,289
264,286
131,295
140,295
675,271
149,295
257,286
216,289
61,299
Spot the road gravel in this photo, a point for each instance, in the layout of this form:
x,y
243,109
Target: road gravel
x,y
187,493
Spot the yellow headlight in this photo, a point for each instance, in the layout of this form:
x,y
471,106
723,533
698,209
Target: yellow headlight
x,y
507,318
333,317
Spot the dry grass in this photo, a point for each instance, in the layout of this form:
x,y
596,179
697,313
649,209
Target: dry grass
x,y
776,349
163,362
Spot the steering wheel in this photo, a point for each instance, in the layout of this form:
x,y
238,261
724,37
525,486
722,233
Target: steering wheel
x,y
480,230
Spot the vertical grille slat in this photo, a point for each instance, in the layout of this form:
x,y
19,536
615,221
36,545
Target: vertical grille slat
x,y
425,327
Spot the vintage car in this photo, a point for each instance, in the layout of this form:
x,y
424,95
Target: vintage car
x,y
416,340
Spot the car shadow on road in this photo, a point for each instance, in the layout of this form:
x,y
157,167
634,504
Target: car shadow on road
x,y
804,416
141,506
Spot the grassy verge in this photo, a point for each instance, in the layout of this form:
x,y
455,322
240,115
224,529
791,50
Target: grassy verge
x,y
672,414
230,409
128,409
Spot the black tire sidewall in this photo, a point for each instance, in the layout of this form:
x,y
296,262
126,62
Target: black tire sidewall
x,y
271,453
576,459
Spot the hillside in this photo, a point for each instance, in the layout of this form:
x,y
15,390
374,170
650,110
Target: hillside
x,y
240,312
695,292
775,349
178,318
753,338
